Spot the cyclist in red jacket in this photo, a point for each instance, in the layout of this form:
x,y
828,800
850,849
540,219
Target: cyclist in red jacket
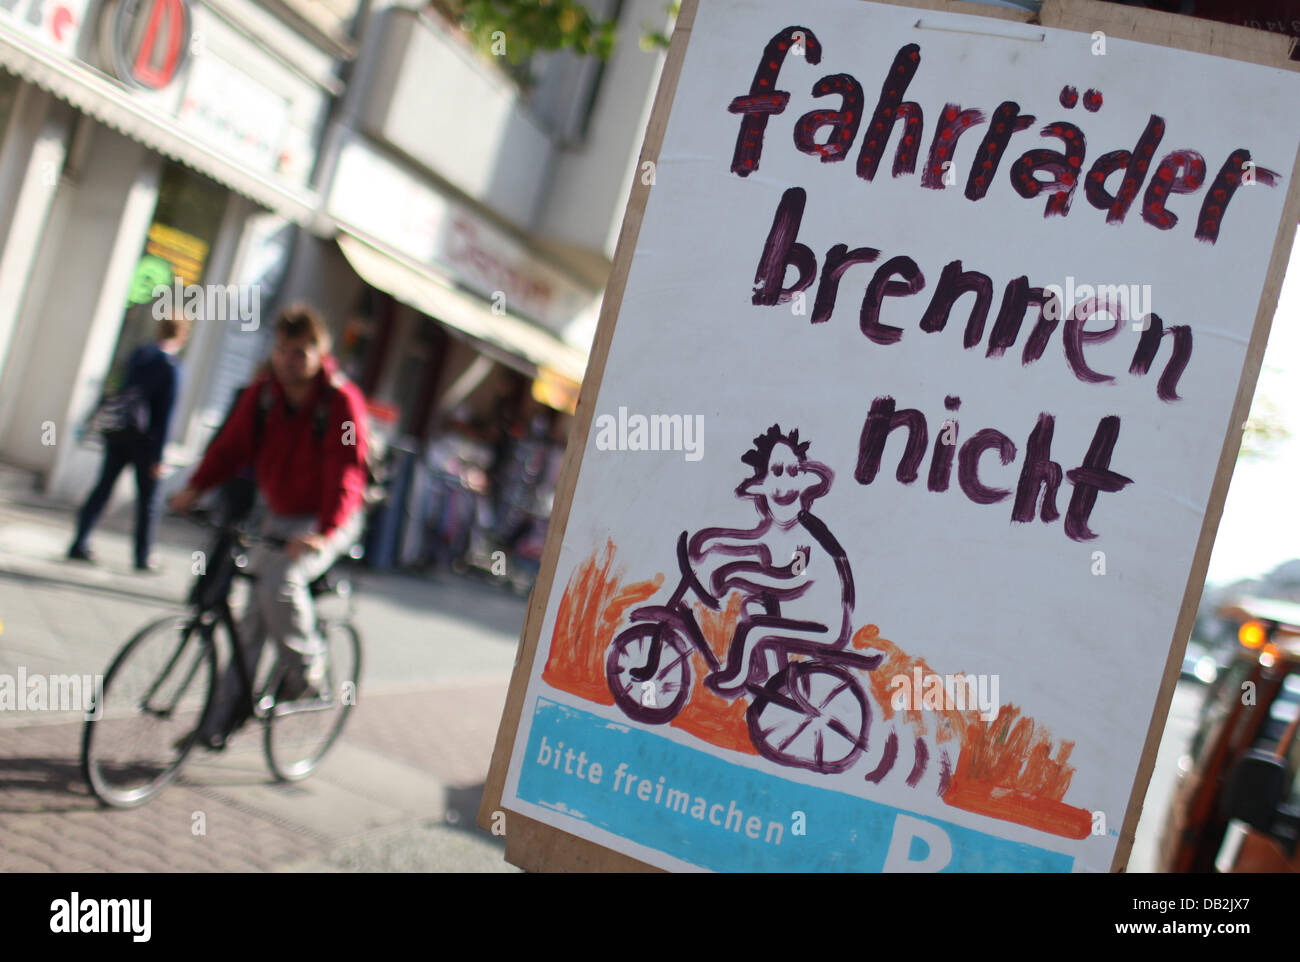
x,y
302,428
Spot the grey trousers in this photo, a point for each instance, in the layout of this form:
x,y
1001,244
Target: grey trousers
x,y
281,608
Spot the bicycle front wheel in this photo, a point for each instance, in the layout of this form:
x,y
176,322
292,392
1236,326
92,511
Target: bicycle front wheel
x,y
653,700
299,733
146,718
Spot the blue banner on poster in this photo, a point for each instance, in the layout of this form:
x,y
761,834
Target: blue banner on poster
x,y
711,813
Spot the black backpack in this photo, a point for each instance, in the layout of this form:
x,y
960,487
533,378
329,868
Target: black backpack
x,y
122,417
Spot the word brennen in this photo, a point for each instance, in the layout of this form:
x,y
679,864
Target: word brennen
x,y
782,250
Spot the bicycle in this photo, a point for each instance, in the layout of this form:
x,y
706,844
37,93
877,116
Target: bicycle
x,y
161,685
809,713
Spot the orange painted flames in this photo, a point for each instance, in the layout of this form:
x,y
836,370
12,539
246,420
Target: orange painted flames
x,y
949,724
1010,768
591,610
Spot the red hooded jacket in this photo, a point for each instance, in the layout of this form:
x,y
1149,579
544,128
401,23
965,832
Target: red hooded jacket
x,y
296,473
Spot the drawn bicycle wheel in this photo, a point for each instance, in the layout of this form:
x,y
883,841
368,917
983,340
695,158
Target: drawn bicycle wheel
x,y
659,697
810,716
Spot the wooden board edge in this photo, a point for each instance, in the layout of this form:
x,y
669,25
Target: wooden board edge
x,y
962,6
1180,32
527,838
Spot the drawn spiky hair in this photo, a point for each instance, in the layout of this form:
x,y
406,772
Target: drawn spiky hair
x,y
757,456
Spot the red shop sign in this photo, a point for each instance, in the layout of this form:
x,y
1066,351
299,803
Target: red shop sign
x,y
147,41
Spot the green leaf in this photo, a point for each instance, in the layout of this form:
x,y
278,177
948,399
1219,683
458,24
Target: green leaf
x,y
535,25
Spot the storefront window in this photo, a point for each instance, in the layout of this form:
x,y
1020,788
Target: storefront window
x,y
185,224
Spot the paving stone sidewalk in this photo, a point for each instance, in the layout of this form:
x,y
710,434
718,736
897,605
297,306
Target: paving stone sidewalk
x,y
387,797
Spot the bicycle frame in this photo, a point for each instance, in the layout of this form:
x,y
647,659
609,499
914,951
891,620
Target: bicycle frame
x,y
781,706
148,696
678,613
212,607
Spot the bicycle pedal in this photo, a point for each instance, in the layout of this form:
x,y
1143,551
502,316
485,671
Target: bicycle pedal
x,y
212,743
313,704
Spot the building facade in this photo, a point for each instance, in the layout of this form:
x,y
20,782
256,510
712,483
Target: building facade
x,y
455,226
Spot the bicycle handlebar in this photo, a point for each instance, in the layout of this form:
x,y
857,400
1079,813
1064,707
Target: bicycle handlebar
x,y
688,573
204,518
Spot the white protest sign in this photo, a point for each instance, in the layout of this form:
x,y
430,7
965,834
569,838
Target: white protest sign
x,y
903,443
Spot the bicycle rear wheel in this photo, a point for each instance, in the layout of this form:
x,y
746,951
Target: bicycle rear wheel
x,y
810,715
299,733
146,718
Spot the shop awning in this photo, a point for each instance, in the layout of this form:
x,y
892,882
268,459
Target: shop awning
x,y
435,296
109,103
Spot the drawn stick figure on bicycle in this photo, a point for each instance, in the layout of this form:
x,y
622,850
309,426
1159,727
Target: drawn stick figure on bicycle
x,y
790,651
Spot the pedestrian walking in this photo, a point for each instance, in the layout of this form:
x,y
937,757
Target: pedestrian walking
x,y
142,412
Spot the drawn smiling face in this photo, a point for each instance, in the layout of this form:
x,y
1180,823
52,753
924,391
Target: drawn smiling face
x,y
780,493
785,481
